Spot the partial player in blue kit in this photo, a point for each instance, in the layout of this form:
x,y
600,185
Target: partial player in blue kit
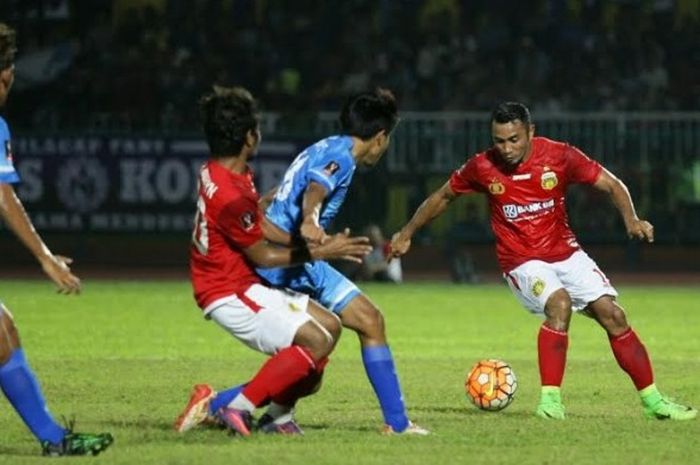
x,y
17,380
303,207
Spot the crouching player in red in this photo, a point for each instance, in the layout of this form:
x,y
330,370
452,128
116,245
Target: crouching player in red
x,y
227,243
525,179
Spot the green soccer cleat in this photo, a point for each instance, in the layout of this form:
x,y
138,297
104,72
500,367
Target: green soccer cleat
x,y
661,407
78,444
666,409
550,404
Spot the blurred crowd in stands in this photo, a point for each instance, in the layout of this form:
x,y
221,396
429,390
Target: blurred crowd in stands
x,y
141,64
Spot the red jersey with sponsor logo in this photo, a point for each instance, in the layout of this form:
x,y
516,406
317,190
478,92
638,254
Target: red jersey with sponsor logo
x,y
528,213
227,221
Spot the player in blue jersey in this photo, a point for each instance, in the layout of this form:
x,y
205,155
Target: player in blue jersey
x,y
17,380
303,207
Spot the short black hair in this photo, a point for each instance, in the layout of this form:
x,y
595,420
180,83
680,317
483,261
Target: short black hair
x,y
8,46
365,114
507,112
228,113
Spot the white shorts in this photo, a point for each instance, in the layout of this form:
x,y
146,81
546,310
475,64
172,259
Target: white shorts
x,y
534,281
265,319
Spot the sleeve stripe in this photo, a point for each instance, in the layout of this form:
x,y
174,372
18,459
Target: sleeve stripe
x,y
321,179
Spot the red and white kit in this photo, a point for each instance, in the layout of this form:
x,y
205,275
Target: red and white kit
x,y
225,285
536,248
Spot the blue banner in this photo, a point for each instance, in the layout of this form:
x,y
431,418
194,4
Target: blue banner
x,y
123,184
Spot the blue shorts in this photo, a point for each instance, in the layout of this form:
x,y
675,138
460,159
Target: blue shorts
x,y
318,279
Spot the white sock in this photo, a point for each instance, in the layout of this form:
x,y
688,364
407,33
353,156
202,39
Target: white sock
x,y
241,402
280,413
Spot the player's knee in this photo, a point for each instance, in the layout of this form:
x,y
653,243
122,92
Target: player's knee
x,y
368,321
9,338
320,346
613,319
618,316
558,310
316,339
333,326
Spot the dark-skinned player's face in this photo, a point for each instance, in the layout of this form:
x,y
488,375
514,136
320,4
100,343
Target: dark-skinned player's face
x,y
512,140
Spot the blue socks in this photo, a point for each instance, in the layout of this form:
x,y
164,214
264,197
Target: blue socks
x,y
381,372
224,398
22,390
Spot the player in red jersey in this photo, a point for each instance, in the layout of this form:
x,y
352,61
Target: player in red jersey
x,y
227,243
525,179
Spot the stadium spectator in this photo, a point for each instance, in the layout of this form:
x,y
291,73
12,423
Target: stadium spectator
x,y
525,179
377,266
17,379
463,235
607,53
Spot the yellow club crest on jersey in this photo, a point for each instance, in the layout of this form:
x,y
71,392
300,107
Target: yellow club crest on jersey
x,y
294,307
538,287
549,180
496,187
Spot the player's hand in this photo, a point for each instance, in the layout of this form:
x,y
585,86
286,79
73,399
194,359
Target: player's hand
x,y
312,233
343,247
56,267
400,244
642,230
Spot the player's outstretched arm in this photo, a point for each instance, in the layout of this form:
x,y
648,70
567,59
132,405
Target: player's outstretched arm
x,y
431,208
620,196
55,266
310,229
338,246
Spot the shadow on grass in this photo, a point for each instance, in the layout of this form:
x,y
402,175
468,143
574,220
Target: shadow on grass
x,y
471,411
20,452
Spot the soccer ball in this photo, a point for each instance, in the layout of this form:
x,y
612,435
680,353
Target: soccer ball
x,y
491,385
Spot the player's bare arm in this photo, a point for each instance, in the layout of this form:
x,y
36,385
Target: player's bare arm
x,y
432,207
267,197
310,228
338,246
55,266
620,196
274,234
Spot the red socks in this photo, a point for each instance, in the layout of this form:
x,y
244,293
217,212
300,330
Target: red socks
x,y
629,352
280,372
303,388
632,357
551,349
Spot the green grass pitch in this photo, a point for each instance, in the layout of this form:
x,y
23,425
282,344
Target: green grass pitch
x,y
122,358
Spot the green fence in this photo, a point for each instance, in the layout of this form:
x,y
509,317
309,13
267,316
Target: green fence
x,y
656,154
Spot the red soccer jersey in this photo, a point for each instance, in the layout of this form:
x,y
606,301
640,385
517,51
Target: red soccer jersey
x,y
227,221
528,213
